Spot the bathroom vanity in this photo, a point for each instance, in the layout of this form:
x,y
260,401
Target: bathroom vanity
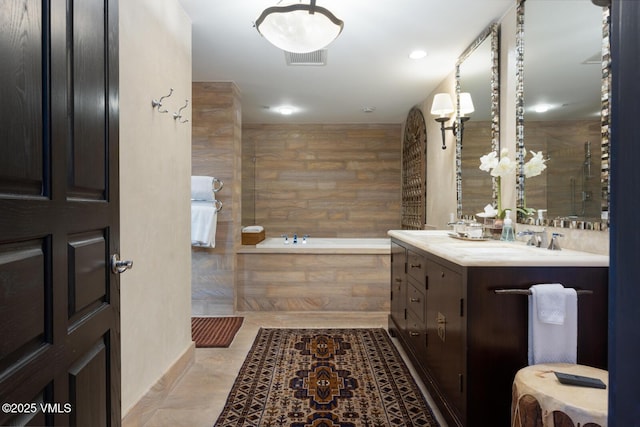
x,y
467,341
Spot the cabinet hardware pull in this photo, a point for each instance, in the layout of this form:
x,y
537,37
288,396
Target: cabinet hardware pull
x,y
398,279
414,334
415,300
416,265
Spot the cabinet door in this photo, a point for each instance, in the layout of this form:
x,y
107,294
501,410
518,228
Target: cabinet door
x,y
445,346
398,285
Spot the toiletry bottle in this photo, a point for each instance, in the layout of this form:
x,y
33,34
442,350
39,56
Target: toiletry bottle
x,y
507,228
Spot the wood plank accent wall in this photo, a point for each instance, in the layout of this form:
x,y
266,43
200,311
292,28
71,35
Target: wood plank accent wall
x,y
325,180
216,151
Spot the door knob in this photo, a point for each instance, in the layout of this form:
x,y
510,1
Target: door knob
x,y
119,266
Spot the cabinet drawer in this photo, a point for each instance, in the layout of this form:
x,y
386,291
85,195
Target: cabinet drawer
x,y
417,334
416,300
416,266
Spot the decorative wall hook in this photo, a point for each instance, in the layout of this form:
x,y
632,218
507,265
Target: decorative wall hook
x,y
178,115
157,103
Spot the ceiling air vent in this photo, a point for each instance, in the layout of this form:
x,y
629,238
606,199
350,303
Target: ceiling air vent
x,y
317,57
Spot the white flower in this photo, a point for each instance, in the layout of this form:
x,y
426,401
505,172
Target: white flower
x,y
535,165
489,161
497,167
505,167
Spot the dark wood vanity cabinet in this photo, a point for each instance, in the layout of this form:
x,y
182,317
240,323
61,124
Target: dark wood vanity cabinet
x,y
467,342
398,285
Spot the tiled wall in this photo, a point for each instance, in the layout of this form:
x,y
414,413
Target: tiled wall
x,y
477,189
322,180
216,151
560,186
562,142
310,282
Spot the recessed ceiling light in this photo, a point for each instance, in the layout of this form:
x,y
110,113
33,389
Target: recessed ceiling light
x,y
285,110
417,54
368,109
541,108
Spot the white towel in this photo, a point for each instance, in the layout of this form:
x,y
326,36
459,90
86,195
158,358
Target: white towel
x,y
553,324
202,188
204,220
253,229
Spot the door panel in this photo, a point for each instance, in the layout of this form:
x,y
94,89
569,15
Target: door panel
x,y
22,98
59,300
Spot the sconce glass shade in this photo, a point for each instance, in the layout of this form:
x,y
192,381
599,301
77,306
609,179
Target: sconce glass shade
x,y
299,28
442,105
466,104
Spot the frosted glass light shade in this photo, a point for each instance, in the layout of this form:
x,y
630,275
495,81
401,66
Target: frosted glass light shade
x,y
442,105
466,104
299,28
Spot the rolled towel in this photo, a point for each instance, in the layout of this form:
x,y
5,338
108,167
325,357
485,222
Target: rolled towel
x,y
202,188
253,229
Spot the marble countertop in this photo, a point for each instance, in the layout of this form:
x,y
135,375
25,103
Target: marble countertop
x,y
495,253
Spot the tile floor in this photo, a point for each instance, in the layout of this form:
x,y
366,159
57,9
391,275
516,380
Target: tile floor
x,y
200,394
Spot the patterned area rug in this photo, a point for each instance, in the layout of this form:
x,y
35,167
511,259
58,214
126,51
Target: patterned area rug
x,y
324,378
214,331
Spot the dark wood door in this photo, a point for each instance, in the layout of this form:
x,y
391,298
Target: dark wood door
x,y
59,300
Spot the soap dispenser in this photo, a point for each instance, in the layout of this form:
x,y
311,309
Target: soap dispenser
x,y
507,228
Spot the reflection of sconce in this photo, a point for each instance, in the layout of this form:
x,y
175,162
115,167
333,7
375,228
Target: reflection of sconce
x,y
443,106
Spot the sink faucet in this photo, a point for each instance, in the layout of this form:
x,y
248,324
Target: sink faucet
x,y
554,245
531,241
304,238
295,238
538,238
286,239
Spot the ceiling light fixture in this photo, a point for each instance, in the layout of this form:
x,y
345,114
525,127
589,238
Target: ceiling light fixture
x,y
417,54
299,28
285,110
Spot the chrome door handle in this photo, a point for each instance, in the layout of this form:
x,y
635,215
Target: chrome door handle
x,y
119,266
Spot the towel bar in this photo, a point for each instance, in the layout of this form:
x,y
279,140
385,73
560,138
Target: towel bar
x,y
528,292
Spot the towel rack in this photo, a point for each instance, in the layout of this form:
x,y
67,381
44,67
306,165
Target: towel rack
x,y
216,185
528,291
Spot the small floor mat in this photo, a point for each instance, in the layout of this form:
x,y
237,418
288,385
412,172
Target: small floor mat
x,y
214,331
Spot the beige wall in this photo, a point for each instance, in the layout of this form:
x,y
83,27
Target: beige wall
x,y
338,180
217,151
441,177
155,163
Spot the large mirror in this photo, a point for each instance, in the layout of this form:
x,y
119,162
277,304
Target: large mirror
x,y
477,73
562,102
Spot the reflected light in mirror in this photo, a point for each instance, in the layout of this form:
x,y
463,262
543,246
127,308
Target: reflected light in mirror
x,y
466,104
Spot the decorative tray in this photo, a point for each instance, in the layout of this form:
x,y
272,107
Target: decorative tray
x,y
465,237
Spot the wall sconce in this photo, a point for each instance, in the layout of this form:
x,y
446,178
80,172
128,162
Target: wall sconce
x,y
443,106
